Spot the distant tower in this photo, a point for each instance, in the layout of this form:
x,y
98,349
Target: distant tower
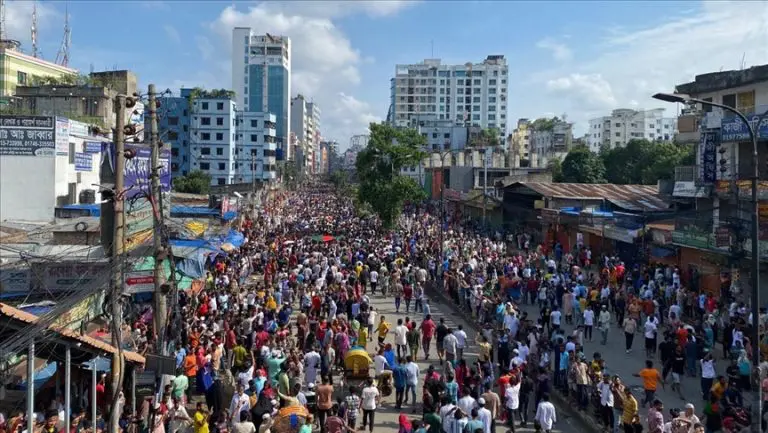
x,y
62,57
34,29
4,41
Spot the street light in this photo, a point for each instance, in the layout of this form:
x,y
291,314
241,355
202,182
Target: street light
x,y
755,232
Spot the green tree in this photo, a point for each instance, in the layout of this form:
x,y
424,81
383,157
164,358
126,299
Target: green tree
x,y
196,182
645,162
378,170
555,166
583,166
544,123
488,137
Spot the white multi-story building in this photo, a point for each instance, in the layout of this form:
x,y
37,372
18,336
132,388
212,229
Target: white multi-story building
x,y
550,144
625,124
256,147
213,138
305,127
473,94
261,79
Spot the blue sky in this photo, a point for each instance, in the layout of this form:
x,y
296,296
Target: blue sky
x,y
578,58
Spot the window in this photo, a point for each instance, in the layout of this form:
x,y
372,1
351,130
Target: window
x,y
460,99
71,153
219,151
185,128
205,136
618,134
221,181
475,108
205,151
173,121
705,107
475,117
219,121
460,82
205,105
254,123
491,117
491,82
205,120
222,166
617,125
173,135
21,78
476,82
491,108
434,135
220,105
219,136
746,101
491,99
730,100
205,166
185,113
254,138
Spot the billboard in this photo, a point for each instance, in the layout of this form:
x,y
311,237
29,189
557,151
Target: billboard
x,y
27,136
138,169
93,147
83,161
710,140
140,281
66,276
62,136
139,215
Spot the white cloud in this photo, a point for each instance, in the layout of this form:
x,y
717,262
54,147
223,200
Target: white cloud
x,y
560,51
207,50
324,64
631,65
18,21
172,33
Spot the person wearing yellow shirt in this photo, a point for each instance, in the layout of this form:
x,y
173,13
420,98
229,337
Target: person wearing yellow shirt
x,y
718,389
201,418
630,415
271,304
362,337
383,330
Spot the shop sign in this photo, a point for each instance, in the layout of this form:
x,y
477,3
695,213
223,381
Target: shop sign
x,y
93,147
618,234
139,281
708,156
744,187
14,280
734,129
62,136
27,136
83,162
690,189
71,276
696,240
78,128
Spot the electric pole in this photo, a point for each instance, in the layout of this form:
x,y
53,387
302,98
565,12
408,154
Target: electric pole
x,y
161,307
253,173
117,262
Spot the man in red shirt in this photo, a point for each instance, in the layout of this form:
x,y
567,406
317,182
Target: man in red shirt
x,y
427,332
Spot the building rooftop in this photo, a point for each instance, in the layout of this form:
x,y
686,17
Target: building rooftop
x,y
638,198
714,81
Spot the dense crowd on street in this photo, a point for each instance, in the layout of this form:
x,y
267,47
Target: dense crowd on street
x,y
273,325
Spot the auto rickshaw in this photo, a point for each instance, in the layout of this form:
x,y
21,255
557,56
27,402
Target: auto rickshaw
x,y
290,419
357,364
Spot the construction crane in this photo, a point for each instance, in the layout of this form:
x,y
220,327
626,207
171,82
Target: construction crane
x,y
62,57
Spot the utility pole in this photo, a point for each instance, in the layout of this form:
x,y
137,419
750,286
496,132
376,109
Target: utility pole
x,y
117,261
161,303
253,173
485,185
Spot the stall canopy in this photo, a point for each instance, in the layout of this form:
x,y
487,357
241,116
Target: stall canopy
x,y
183,282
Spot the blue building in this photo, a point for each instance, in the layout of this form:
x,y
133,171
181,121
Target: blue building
x,y
252,55
173,125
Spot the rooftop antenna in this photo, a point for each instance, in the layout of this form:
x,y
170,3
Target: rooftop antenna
x,y
11,44
33,29
62,57
432,47
743,60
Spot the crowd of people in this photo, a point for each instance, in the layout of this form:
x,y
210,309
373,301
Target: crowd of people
x,y
273,324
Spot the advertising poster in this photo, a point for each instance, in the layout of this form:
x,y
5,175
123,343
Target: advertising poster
x,y
62,136
83,161
27,136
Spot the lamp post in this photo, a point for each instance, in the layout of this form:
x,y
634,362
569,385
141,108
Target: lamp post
x,y
755,232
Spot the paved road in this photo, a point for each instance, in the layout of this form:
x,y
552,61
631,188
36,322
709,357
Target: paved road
x,y
624,364
386,417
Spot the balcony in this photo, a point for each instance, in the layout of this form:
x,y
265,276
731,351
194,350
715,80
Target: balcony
x,y
688,128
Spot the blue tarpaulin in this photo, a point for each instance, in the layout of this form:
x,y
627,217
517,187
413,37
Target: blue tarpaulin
x,y
229,216
235,238
41,376
93,209
194,210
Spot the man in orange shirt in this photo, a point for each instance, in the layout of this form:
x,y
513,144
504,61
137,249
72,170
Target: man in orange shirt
x,y
190,369
651,379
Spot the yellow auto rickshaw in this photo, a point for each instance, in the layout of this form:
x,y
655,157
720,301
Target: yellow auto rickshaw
x,y
357,364
290,419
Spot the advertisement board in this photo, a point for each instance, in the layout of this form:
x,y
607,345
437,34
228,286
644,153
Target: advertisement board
x,y
62,136
139,215
708,156
69,276
139,282
14,280
78,128
27,136
734,129
92,147
83,161
138,169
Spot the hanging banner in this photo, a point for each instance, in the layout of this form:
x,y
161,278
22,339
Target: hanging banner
x,y
138,168
710,140
93,147
83,161
62,136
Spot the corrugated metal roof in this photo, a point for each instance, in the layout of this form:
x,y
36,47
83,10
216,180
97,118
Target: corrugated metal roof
x,y
629,197
23,316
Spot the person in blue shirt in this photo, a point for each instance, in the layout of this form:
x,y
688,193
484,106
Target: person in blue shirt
x,y
180,355
451,388
389,355
399,377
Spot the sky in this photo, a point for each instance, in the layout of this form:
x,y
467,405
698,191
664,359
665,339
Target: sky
x,y
581,59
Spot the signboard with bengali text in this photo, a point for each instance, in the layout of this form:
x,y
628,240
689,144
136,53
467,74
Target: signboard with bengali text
x,y
27,136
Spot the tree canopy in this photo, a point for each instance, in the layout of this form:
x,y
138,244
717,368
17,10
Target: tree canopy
x,y
582,166
196,182
378,169
545,123
639,162
488,137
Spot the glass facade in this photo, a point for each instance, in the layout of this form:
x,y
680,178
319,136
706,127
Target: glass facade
x,y
278,98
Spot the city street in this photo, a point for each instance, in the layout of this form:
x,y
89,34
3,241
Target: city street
x,y
386,417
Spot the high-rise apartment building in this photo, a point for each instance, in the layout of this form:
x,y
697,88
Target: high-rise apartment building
x,y
472,94
261,79
305,127
212,135
256,151
173,124
625,124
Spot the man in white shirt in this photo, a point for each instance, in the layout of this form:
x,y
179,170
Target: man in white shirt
x,y
449,345
467,403
400,339
650,336
545,414
412,379
484,415
589,322
512,401
240,403
554,318
461,341
380,362
606,402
